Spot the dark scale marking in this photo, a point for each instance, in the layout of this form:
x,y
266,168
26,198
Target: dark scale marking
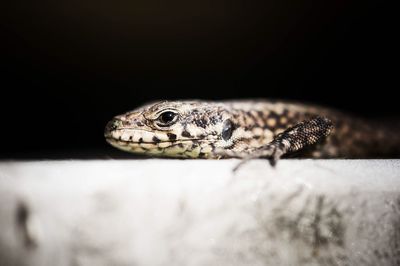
x,y
250,115
213,133
139,124
261,115
245,120
140,140
171,136
213,120
236,116
274,115
202,136
156,140
195,145
266,126
186,134
202,122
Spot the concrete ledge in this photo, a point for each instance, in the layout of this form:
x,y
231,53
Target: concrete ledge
x,y
197,212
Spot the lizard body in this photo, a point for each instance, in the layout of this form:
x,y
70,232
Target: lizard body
x,y
248,129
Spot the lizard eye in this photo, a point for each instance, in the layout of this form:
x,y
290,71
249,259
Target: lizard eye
x,y
167,118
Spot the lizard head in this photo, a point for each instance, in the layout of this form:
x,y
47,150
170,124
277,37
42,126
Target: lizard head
x,y
176,129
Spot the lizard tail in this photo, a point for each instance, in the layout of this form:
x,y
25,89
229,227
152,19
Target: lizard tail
x,y
370,139
388,138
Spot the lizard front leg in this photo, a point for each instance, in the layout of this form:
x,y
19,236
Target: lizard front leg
x,y
295,138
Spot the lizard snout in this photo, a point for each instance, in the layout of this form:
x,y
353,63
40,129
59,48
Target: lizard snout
x,y
112,125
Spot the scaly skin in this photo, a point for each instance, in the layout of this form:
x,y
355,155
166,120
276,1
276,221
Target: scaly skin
x,y
248,129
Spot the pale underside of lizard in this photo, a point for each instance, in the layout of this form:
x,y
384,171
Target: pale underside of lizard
x,y
247,129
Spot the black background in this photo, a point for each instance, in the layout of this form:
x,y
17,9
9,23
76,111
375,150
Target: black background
x,y
67,67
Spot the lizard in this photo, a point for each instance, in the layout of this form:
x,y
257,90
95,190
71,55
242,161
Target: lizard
x,y
249,129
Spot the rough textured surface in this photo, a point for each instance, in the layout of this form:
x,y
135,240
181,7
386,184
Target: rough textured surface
x,y
257,128
197,212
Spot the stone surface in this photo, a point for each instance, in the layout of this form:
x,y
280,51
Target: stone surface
x,y
197,212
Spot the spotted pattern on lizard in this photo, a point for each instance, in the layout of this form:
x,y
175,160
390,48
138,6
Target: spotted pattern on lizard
x,y
248,129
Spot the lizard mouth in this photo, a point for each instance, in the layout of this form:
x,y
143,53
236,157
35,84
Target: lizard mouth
x,y
111,139
131,136
160,144
183,148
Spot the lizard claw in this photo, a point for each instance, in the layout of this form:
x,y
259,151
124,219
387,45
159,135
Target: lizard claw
x,y
239,165
272,161
275,156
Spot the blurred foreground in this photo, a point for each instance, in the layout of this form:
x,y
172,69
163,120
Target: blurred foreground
x,y
197,212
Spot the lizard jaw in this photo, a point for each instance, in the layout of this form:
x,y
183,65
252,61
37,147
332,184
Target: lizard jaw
x,y
188,148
